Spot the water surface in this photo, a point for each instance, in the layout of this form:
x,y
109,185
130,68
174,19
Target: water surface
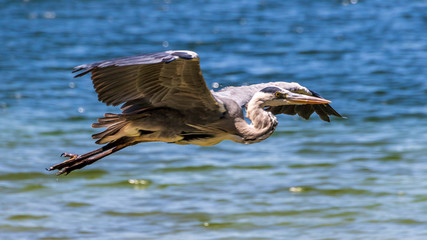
x,y
360,178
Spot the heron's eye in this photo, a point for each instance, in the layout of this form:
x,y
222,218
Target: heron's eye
x,y
278,95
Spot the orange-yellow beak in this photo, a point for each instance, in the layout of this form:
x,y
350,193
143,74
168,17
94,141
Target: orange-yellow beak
x,y
299,99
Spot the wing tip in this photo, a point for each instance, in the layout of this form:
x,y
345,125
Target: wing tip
x,y
173,55
331,111
80,68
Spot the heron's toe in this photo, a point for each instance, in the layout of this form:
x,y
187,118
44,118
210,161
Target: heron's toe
x,y
74,158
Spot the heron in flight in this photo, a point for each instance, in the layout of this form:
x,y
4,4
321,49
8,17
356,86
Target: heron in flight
x,y
165,99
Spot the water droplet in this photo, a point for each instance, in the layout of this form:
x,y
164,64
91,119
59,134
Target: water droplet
x,y
215,85
295,189
165,44
49,15
72,85
81,110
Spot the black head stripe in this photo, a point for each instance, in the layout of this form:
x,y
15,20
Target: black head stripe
x,y
271,89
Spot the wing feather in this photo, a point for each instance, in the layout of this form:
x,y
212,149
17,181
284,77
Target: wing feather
x,y
304,111
322,114
164,79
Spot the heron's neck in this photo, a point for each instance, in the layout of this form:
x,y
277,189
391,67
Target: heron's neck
x,y
263,123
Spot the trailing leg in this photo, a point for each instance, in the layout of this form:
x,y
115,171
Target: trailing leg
x,y
80,161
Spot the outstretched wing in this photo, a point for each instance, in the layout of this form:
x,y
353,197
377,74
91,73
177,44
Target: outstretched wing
x,y
164,79
242,95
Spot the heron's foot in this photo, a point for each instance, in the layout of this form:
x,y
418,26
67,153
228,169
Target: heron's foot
x,y
74,162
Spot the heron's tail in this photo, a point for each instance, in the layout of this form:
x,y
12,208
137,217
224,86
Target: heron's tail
x,y
113,122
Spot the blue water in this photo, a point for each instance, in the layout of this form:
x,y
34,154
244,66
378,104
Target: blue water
x,y
360,178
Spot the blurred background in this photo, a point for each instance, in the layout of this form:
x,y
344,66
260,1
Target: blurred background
x,y
360,178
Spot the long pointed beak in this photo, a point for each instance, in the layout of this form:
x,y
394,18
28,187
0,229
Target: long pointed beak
x,y
305,99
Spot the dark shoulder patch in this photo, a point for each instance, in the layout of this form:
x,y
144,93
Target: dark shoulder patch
x,y
270,89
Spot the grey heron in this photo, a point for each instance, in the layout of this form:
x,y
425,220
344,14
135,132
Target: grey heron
x,y
165,99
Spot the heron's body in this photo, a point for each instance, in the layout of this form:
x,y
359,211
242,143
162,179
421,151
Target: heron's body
x,y
165,98
171,126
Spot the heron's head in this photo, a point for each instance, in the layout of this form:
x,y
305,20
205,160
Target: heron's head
x,y
275,96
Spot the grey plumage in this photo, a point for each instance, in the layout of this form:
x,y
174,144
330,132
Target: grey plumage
x,y
165,98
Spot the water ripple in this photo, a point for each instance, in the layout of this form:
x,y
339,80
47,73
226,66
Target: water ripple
x,y
363,177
